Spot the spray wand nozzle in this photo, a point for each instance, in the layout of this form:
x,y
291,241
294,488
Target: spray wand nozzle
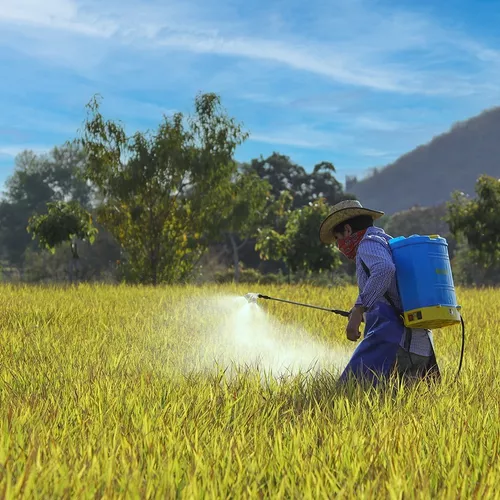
x,y
252,299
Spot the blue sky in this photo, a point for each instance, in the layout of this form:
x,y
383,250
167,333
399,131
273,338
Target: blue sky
x,y
354,82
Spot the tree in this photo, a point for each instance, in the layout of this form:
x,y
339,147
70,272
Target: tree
x,y
477,221
323,184
36,181
164,193
281,173
299,245
284,175
53,176
303,187
66,166
63,222
250,206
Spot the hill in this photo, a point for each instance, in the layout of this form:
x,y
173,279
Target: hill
x,y
429,174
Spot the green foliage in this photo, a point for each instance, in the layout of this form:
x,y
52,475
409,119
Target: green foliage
x,y
384,222
284,175
468,272
299,245
418,220
251,202
250,276
62,222
57,175
423,221
165,193
291,188
477,221
97,261
36,181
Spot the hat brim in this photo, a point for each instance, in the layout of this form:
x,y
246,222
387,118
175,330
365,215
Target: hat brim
x,y
325,230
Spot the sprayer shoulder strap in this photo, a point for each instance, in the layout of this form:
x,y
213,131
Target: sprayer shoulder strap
x,y
386,295
408,336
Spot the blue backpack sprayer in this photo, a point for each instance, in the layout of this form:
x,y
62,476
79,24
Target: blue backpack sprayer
x,y
425,283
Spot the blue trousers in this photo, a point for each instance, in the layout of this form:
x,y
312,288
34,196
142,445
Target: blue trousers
x,y
375,356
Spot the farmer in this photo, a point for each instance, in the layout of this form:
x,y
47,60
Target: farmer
x,y
387,345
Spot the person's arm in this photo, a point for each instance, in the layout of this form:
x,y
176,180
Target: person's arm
x,y
378,259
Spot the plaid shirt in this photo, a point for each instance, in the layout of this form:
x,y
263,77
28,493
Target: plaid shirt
x,y
375,252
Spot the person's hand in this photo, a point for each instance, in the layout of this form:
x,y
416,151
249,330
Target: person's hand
x,y
355,320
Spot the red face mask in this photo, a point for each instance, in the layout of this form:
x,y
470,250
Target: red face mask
x,y
349,246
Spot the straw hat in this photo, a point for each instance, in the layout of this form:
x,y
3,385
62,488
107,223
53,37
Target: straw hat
x,y
341,212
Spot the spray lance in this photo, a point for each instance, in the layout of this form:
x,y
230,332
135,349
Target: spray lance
x,y
252,299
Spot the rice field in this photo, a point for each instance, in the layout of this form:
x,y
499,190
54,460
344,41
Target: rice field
x,y
117,392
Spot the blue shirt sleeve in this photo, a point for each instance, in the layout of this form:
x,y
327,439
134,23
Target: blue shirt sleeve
x,y
378,259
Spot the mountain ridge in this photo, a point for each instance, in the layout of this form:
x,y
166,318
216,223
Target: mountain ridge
x,y
428,174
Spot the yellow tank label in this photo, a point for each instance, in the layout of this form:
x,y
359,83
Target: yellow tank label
x,y
441,271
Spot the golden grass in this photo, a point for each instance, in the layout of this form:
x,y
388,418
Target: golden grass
x,y
101,398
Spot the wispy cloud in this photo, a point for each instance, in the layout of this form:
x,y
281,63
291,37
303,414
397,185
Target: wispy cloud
x,y
14,149
13,133
363,81
366,60
55,14
303,136
375,153
376,123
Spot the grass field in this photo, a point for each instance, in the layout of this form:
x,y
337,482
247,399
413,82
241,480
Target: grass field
x,y
108,392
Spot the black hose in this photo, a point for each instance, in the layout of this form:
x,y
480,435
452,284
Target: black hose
x,y
463,347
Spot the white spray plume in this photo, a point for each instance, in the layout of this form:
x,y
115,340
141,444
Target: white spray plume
x,y
235,331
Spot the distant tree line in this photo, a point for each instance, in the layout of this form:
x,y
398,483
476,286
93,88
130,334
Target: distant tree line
x,y
174,206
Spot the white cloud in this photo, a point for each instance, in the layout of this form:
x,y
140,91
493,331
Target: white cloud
x,y
314,59
302,136
375,153
349,56
12,133
28,119
127,109
35,12
55,14
13,150
375,123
